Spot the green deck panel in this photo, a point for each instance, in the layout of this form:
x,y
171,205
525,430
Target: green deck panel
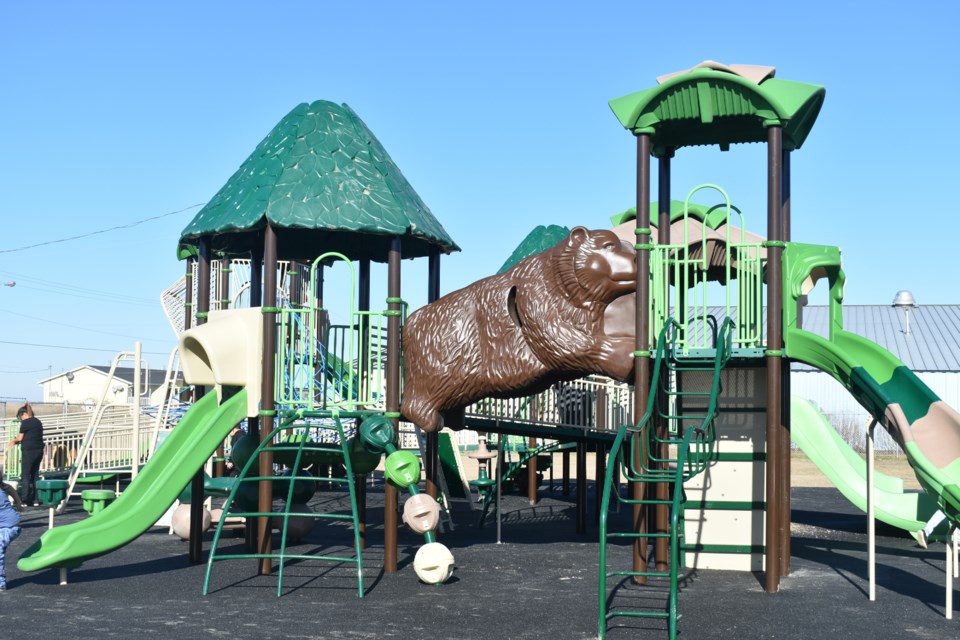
x,y
708,106
324,182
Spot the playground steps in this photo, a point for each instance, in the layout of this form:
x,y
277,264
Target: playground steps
x,y
324,438
673,442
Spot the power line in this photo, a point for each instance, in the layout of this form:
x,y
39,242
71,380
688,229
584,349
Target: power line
x,y
73,326
112,298
60,346
93,233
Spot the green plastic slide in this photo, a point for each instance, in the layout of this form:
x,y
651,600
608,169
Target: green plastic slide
x,y
150,494
844,467
927,428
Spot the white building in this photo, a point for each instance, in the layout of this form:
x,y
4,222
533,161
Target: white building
x,y
85,385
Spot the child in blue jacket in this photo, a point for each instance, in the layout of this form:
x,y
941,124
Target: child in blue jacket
x,y
9,524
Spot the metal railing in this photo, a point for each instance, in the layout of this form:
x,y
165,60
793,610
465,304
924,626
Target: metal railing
x,y
682,273
63,436
594,404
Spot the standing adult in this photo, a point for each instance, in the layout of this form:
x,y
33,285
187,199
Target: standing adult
x,y
30,440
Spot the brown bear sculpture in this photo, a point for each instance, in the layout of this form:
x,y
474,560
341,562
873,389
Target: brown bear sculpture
x,y
518,332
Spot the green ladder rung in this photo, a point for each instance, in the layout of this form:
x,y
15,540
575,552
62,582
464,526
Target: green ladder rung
x,y
660,615
683,369
638,535
272,514
651,478
316,516
643,501
281,556
638,574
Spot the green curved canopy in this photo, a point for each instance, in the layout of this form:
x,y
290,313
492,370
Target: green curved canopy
x,y
712,216
325,183
714,104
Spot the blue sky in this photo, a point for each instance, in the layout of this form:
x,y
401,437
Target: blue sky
x,y
496,112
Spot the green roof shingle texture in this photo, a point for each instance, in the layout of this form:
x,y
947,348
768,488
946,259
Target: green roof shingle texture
x,y
325,183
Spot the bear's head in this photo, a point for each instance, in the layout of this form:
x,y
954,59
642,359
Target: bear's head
x,y
595,267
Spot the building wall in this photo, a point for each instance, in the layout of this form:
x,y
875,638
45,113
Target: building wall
x,y
85,388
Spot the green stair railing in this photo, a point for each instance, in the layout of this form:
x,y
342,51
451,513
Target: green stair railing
x,y
681,448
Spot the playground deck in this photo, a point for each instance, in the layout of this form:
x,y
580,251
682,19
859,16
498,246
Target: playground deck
x,y
541,582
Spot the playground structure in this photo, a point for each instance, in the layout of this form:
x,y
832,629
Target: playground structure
x,y
709,406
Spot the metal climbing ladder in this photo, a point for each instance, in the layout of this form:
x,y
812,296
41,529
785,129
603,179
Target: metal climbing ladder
x,y
674,441
303,437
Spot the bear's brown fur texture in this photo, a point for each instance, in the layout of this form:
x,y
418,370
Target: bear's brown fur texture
x,y
518,332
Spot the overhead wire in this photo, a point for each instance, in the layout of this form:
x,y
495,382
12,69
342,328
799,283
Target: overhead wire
x,y
61,346
73,326
93,233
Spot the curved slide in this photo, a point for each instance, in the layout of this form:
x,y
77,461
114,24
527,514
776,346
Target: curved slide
x,y
926,427
844,467
150,494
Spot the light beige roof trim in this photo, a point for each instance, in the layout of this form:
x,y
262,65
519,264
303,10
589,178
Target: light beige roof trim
x,y
753,72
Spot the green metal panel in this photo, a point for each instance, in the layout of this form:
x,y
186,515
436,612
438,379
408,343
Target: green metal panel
x,y
324,182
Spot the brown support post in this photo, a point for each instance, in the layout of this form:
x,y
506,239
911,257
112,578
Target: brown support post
x,y
600,467
785,506
581,486
565,483
195,540
394,306
294,284
532,472
532,484
774,477
642,353
363,304
188,295
253,423
223,297
267,402
188,312
662,512
432,449
600,472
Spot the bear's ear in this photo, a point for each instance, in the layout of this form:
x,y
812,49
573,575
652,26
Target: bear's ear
x,y
578,236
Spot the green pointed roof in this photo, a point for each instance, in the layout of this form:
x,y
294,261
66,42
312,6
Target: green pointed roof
x,y
325,183
540,239
723,105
